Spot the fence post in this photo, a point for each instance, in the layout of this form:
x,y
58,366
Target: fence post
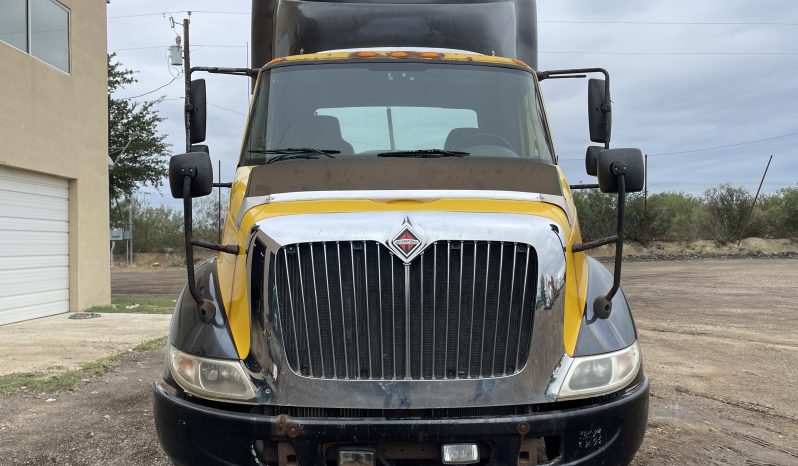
x,y
753,204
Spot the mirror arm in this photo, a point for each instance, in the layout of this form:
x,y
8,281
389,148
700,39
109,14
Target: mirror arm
x,y
579,73
584,186
205,308
620,170
229,249
602,305
582,247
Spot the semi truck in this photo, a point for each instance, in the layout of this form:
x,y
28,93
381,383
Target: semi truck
x,y
401,278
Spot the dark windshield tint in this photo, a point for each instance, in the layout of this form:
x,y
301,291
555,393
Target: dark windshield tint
x,y
371,108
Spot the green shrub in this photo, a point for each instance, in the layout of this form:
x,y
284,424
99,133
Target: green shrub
x,y
777,214
673,217
597,213
160,229
789,212
727,207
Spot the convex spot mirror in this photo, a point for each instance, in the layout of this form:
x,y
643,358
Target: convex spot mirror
x,y
599,112
198,166
632,162
591,159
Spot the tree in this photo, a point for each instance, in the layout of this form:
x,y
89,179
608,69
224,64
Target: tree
x,y
135,146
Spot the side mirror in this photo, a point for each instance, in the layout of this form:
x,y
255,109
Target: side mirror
x,y
613,162
599,111
198,166
591,159
198,112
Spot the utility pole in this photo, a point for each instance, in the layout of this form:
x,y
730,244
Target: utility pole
x,y
645,200
187,78
219,201
753,204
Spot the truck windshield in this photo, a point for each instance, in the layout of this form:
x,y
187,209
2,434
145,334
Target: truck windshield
x,y
372,108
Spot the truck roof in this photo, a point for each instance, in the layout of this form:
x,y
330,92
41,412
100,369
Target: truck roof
x,y
400,53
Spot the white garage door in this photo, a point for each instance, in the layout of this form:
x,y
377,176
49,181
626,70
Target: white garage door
x,y
34,245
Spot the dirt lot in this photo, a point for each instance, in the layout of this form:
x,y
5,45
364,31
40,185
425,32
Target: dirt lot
x,y
719,344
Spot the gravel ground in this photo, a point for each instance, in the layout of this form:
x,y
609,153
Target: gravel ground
x,y
718,339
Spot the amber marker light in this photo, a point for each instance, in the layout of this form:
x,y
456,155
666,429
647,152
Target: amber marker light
x,y
400,54
521,63
367,54
431,55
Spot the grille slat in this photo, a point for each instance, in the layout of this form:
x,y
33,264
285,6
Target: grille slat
x,y
507,330
523,300
465,312
342,308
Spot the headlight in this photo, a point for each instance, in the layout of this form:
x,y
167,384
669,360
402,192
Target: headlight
x,y
598,375
216,379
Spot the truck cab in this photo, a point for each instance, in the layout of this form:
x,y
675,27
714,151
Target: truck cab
x,y
401,278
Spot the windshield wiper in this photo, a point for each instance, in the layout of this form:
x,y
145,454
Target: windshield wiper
x,y
423,153
288,153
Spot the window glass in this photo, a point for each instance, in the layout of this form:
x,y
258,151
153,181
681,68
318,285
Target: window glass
x,y
367,108
49,35
14,23
414,128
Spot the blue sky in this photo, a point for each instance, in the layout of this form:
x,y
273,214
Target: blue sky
x,y
686,75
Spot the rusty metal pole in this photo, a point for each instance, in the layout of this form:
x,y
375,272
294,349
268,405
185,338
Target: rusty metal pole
x,y
753,204
645,200
187,78
219,201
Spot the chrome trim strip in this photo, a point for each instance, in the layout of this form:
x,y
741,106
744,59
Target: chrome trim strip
x,y
304,311
558,377
316,303
484,310
382,344
498,309
398,195
368,311
354,312
408,362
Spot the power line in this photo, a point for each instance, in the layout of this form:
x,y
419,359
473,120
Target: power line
x,y
228,109
161,13
592,52
754,141
703,149
211,104
673,23
154,90
192,46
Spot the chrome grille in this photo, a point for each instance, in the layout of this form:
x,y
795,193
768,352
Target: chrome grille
x,y
343,309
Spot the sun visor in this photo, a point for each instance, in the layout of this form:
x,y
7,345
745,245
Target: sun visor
x,y
379,174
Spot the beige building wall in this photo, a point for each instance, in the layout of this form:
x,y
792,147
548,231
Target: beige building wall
x,y
55,123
